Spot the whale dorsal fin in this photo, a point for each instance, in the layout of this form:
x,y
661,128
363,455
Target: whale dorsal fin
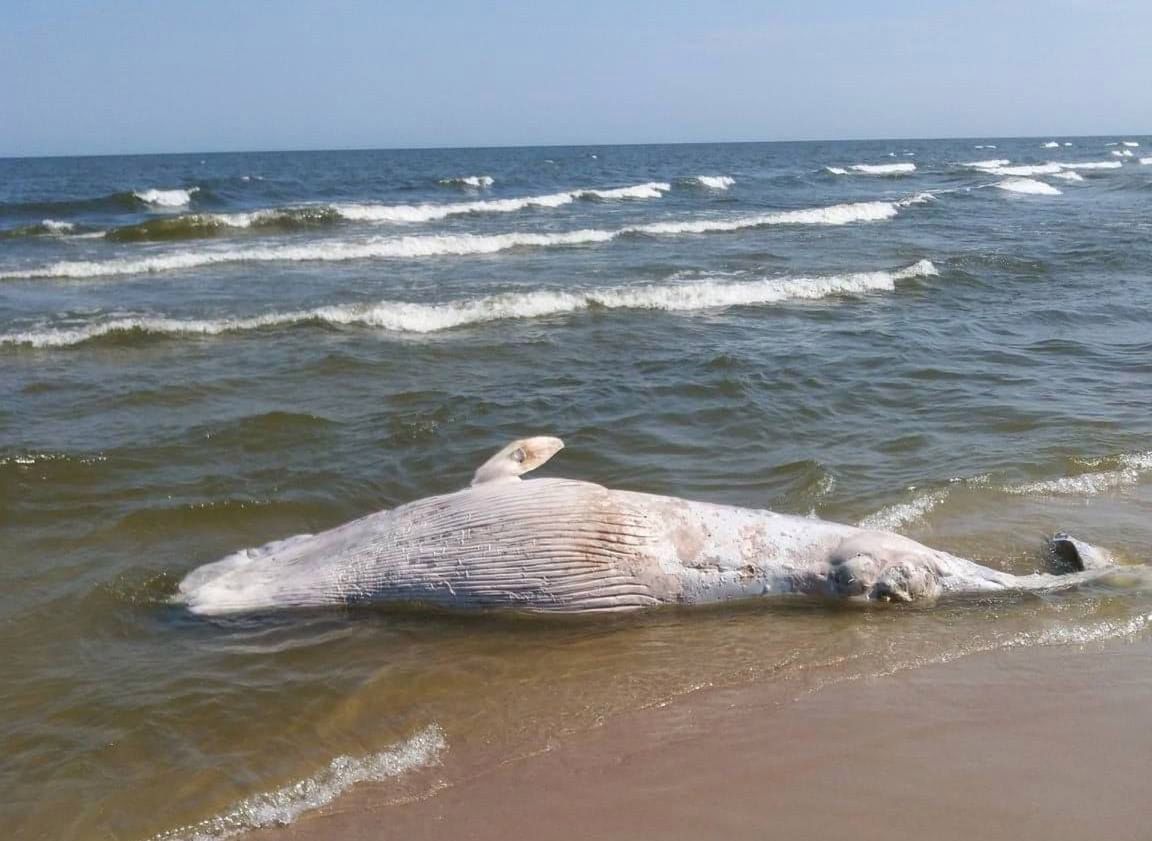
x,y
518,458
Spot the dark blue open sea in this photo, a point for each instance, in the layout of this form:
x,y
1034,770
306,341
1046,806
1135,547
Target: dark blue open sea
x,y
199,353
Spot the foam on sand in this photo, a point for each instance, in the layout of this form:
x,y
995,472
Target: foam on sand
x,y
1028,185
408,317
166,198
433,245
884,169
284,805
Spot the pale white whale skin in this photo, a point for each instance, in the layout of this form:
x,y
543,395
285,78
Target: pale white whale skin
x,y
566,546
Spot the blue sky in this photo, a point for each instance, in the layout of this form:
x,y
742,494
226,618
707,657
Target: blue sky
x,y
135,76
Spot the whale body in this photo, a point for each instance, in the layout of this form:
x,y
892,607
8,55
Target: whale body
x,y
567,546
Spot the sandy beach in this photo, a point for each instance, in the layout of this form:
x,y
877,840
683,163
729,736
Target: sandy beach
x,y
1048,743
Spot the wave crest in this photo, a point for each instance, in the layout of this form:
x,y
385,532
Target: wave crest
x,y
166,198
1028,185
884,169
407,317
291,218
714,182
433,245
475,182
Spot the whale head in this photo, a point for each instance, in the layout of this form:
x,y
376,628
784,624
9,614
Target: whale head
x,y
884,579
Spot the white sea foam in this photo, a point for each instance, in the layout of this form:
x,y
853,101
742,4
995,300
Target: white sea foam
x,y
836,170
1146,161
408,317
1030,170
884,169
1066,143
892,517
284,805
476,182
166,198
1069,175
649,190
1028,185
1051,144
714,182
1127,470
56,227
1092,165
430,212
1131,143
459,244
991,163
1024,171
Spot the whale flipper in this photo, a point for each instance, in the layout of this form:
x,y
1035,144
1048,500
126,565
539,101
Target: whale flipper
x,y
1070,554
518,458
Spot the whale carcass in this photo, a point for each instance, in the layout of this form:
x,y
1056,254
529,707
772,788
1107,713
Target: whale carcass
x,y
566,546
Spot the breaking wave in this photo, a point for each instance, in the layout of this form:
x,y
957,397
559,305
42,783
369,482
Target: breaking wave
x,y
991,163
433,245
113,202
291,218
1028,185
1069,175
884,169
407,317
1146,161
1125,470
1051,144
893,517
1092,165
714,182
474,182
285,805
166,198
1031,170
46,227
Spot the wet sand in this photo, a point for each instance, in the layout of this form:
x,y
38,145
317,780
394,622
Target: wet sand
x,y
1050,743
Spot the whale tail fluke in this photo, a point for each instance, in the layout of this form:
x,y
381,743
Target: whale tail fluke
x,y
1068,554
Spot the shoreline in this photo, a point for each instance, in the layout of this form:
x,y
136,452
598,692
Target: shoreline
x,y
1048,742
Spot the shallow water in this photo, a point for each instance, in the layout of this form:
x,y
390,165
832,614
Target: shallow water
x,y
177,386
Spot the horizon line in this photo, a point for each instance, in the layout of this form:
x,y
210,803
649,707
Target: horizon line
x,y
297,150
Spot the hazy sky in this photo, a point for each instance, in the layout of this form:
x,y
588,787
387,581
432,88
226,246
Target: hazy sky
x,y
154,75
